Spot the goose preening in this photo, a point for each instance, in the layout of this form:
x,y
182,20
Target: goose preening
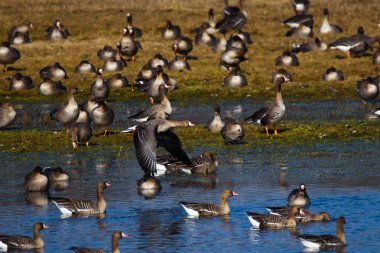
x,y
24,242
258,220
368,88
8,55
202,37
55,71
19,34
77,207
216,124
48,87
207,210
20,82
271,113
232,132
170,31
36,180
57,32
313,45
182,45
234,18
116,236
69,113
326,241
85,67
326,27
7,114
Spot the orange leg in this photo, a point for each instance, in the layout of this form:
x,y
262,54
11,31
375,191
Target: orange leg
x,y
133,59
275,130
5,69
105,132
267,130
75,145
151,100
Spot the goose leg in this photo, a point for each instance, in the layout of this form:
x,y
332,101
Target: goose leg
x,y
275,130
133,59
88,144
75,145
5,69
267,130
151,100
105,132
348,54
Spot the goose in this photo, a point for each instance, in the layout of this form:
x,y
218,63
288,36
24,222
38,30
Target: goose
x,y
299,197
89,105
281,73
56,32
236,42
373,114
326,27
151,86
271,113
20,82
80,132
84,116
116,236
36,180
216,124
368,88
85,67
376,57
23,29
300,6
245,36
157,133
302,31
219,45
170,31
114,64
326,241
55,71
231,58
99,89
235,79
234,18
210,23
158,59
8,55
179,63
7,114
117,81
147,183
69,113
258,220
106,53
78,207
298,20
19,38
314,45
207,210
232,132
49,87
182,45
128,46
137,32
102,116
24,242
303,216
333,74
56,174
202,37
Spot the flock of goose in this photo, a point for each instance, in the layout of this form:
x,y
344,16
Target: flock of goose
x,y
154,128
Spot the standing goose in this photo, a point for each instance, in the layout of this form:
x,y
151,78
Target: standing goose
x,y
90,104
207,210
151,86
55,71
8,55
116,236
137,32
69,113
56,32
102,116
84,116
20,82
77,207
128,46
333,74
232,132
231,58
49,87
299,197
182,45
326,241
114,64
216,125
273,221
146,73
234,18
24,242
7,114
36,180
85,67
271,113
170,31
368,88
99,89
203,38
80,132
155,133
326,27
106,53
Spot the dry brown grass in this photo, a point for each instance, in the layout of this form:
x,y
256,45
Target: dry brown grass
x,y
94,23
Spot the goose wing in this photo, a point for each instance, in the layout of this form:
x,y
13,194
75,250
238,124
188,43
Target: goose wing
x,y
258,115
75,205
323,240
204,209
16,241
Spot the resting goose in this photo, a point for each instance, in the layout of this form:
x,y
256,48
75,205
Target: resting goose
x,y
170,31
326,27
202,37
151,86
117,81
303,216
332,74
271,113
20,82
69,113
302,31
114,64
8,55
376,57
207,210
128,46
326,241
78,207
157,133
19,38
56,174
49,87
373,114
84,116
56,32
158,59
99,89
24,242
116,236
273,221
298,20
106,53
55,71
210,24
85,67
299,197
368,88
216,125
287,59
7,114
36,180
80,132
235,79
89,105
231,59
232,132
137,32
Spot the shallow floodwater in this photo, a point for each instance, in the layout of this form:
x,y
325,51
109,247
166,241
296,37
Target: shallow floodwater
x,y
341,178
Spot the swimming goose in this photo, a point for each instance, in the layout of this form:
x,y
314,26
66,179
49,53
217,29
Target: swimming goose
x,y
23,29
170,31
102,116
158,59
281,73
217,124
128,46
258,220
303,31
303,216
55,71
57,32
78,207
234,18
99,89
85,67
300,6
232,132
235,79
7,114
49,87
207,210
24,242
182,45
8,55
117,81
116,236
114,64
179,63
298,20
56,174
80,132
326,27
299,197
106,53
67,114
137,32
314,45
36,180
19,38
202,37
332,74
20,82
368,88
326,241
271,113
157,133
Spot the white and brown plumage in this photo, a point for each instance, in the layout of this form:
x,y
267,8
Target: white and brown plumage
x,y
300,6
155,133
36,180
69,113
116,236
99,89
128,46
170,31
333,74
137,32
19,38
271,113
304,215
259,220
234,18
24,242
298,20
151,86
287,59
23,30
326,27
179,63
235,79
216,124
48,87
232,132
80,132
117,81
326,241
7,114
57,32
102,115
56,174
299,197
182,45
106,53
20,82
55,71
281,73
78,207
368,88
85,67
158,59
8,55
206,209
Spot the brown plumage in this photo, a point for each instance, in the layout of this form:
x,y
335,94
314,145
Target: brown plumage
x,y
36,180
273,221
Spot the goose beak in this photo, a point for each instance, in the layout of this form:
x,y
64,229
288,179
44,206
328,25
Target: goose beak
x,y
287,79
45,226
235,193
191,124
108,184
167,86
124,235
